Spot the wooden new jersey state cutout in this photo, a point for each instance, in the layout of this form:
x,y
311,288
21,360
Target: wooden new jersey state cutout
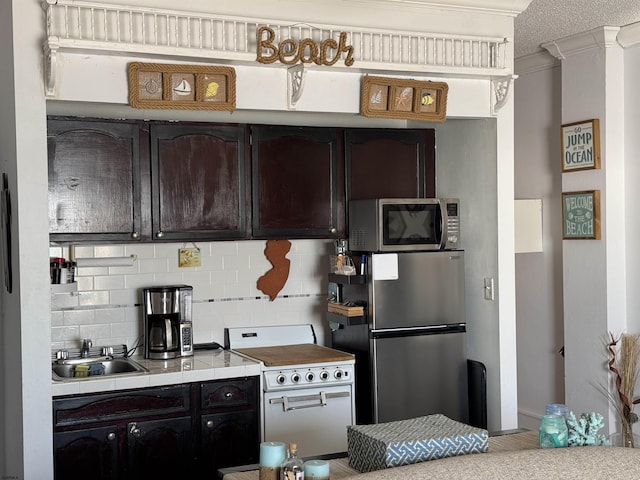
x,y
273,281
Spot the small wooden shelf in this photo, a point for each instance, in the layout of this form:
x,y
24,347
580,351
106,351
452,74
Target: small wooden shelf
x,y
347,279
346,321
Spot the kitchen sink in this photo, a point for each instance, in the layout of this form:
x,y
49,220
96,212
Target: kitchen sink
x,y
88,368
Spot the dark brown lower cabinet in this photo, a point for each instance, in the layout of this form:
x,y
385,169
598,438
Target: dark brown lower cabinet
x,y
227,440
160,449
87,453
154,432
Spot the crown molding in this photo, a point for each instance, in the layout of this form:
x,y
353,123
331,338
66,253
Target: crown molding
x,y
535,62
601,37
501,7
629,35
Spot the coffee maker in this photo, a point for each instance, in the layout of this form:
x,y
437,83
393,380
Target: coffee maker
x,y
167,322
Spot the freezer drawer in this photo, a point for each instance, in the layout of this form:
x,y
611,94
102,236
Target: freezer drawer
x,y
420,375
425,288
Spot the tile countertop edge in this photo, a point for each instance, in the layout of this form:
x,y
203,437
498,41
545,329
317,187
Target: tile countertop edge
x,y
202,366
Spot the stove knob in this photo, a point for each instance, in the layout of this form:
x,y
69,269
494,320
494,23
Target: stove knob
x,y
280,379
295,378
310,376
324,375
338,374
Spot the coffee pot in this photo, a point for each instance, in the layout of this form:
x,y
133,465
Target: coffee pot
x,y
167,321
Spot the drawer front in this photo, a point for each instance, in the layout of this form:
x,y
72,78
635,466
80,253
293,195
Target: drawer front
x,y
224,394
108,407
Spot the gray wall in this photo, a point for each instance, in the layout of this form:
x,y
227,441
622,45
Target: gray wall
x,y
466,168
539,306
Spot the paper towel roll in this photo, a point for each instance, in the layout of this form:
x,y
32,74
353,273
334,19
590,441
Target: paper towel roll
x,y
106,262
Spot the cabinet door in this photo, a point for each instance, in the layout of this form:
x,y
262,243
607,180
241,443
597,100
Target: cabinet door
x,y
160,449
390,163
229,439
198,182
94,180
86,453
295,182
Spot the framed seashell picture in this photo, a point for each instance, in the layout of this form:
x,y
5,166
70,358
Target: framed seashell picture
x,y
404,98
187,87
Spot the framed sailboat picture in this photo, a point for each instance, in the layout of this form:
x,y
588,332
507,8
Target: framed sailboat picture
x,y
188,87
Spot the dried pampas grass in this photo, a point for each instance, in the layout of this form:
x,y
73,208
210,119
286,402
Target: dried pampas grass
x,y
624,363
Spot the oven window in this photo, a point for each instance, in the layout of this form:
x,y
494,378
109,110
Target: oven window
x,y
411,224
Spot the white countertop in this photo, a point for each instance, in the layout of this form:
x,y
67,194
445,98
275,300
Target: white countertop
x,y
202,366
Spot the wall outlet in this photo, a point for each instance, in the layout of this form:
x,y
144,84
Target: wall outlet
x,y
488,289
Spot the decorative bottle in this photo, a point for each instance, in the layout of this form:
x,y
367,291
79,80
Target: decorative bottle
x,y
293,466
553,432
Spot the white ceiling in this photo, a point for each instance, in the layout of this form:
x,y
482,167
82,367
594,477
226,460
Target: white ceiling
x,y
547,20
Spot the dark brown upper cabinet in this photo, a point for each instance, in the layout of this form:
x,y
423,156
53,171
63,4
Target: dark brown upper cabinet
x,y
94,180
198,182
296,185
390,163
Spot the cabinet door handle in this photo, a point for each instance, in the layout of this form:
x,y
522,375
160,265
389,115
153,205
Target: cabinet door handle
x,y
209,423
135,235
135,431
333,229
159,234
111,436
228,395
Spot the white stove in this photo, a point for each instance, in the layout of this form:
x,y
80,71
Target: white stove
x,y
308,393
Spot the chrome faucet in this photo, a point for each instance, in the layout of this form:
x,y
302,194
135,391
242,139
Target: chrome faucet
x,y
86,348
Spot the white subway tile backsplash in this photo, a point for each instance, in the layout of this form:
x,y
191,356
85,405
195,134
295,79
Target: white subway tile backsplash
x,y
65,334
100,334
109,251
107,305
139,281
57,318
79,317
84,283
108,282
91,271
220,249
127,296
141,250
96,298
173,278
61,301
168,250
154,265
110,315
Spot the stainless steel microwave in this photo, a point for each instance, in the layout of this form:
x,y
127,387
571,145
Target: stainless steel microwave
x,y
403,224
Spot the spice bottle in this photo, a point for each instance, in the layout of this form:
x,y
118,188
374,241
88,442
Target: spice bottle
x,y
293,466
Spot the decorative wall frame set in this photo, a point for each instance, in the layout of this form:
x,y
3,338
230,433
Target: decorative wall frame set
x,y
187,87
581,151
581,215
404,98
581,145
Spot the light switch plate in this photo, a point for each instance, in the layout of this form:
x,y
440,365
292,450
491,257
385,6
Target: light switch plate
x,y
488,288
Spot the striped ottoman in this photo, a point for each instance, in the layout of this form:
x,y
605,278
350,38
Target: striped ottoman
x,y
385,445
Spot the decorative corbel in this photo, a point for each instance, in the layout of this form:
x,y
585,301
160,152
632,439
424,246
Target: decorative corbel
x,y
295,84
50,49
500,88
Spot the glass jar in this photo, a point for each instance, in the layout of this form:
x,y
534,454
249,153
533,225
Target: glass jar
x,y
553,432
556,409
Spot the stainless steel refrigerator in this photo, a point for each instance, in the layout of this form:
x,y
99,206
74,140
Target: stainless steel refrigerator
x,y
410,344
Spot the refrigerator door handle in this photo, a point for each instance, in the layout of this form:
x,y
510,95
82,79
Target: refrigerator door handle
x,y
424,330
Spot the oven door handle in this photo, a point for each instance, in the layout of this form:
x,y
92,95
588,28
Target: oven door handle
x,y
322,397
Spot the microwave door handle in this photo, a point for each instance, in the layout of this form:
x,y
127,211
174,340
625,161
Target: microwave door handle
x,y
443,227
